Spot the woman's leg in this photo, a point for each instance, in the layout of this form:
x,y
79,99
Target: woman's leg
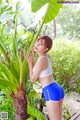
x,y
53,108
60,108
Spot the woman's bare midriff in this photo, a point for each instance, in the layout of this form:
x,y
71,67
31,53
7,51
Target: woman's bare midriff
x,y
46,80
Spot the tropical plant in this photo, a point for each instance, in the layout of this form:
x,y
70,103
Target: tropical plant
x,y
14,72
6,106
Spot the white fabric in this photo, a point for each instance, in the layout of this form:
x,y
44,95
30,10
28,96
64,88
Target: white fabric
x,y
47,71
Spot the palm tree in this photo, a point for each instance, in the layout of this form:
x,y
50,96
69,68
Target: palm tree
x,y
14,71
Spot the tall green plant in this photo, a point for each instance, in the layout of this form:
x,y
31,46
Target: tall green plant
x,y
14,71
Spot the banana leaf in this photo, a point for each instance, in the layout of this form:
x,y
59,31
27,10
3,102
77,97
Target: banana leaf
x,y
35,112
24,70
53,8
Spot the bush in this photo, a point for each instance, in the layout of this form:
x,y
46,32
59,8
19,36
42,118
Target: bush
x,y
6,106
65,59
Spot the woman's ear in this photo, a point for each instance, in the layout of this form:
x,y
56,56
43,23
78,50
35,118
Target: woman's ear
x,y
46,49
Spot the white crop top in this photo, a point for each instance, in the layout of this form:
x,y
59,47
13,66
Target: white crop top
x,y
47,71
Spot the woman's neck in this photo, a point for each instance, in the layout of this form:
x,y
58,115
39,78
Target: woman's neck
x,y
41,54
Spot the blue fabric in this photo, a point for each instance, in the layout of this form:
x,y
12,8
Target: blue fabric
x,y
53,92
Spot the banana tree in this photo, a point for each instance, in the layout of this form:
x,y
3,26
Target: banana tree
x,y
14,71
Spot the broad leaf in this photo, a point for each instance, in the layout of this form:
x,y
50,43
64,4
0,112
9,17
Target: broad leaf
x,y
6,83
0,1
2,48
35,112
14,69
31,118
6,74
5,71
53,8
25,70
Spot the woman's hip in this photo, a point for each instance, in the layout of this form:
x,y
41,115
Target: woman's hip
x,y
53,92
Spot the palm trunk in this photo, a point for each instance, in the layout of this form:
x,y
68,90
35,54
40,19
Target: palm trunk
x,y
20,103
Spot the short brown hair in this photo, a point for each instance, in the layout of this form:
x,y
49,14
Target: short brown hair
x,y
48,41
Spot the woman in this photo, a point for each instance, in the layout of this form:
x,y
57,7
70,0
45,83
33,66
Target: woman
x,y
52,91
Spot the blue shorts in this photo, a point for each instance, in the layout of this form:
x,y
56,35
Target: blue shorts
x,y
53,92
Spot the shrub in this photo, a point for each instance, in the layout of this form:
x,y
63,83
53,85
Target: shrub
x,y
65,59
6,106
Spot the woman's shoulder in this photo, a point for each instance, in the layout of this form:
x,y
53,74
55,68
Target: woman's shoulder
x,y
43,60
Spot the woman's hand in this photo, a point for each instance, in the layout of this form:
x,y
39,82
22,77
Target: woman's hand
x,y
30,58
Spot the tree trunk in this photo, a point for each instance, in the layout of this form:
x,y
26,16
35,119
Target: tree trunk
x,y
20,103
54,22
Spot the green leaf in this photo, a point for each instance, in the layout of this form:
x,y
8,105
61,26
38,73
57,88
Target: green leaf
x,y
2,48
14,44
36,5
25,70
14,68
53,8
5,13
6,83
0,1
6,74
7,92
4,70
31,118
35,112
33,94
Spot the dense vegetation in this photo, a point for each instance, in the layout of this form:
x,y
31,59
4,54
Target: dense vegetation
x,y
66,64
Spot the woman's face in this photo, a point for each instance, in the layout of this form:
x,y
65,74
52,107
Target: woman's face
x,y
40,46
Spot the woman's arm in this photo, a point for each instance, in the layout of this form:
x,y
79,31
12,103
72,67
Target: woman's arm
x,y
38,68
30,60
30,70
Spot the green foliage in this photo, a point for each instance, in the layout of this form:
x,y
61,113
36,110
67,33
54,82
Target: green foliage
x,y
33,96
53,8
31,118
6,13
66,64
24,70
25,39
0,1
35,112
13,63
33,101
69,20
66,114
6,105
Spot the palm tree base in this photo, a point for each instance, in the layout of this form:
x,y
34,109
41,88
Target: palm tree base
x,y
20,103
20,117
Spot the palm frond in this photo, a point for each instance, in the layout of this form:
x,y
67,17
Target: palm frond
x,y
6,83
24,71
6,74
